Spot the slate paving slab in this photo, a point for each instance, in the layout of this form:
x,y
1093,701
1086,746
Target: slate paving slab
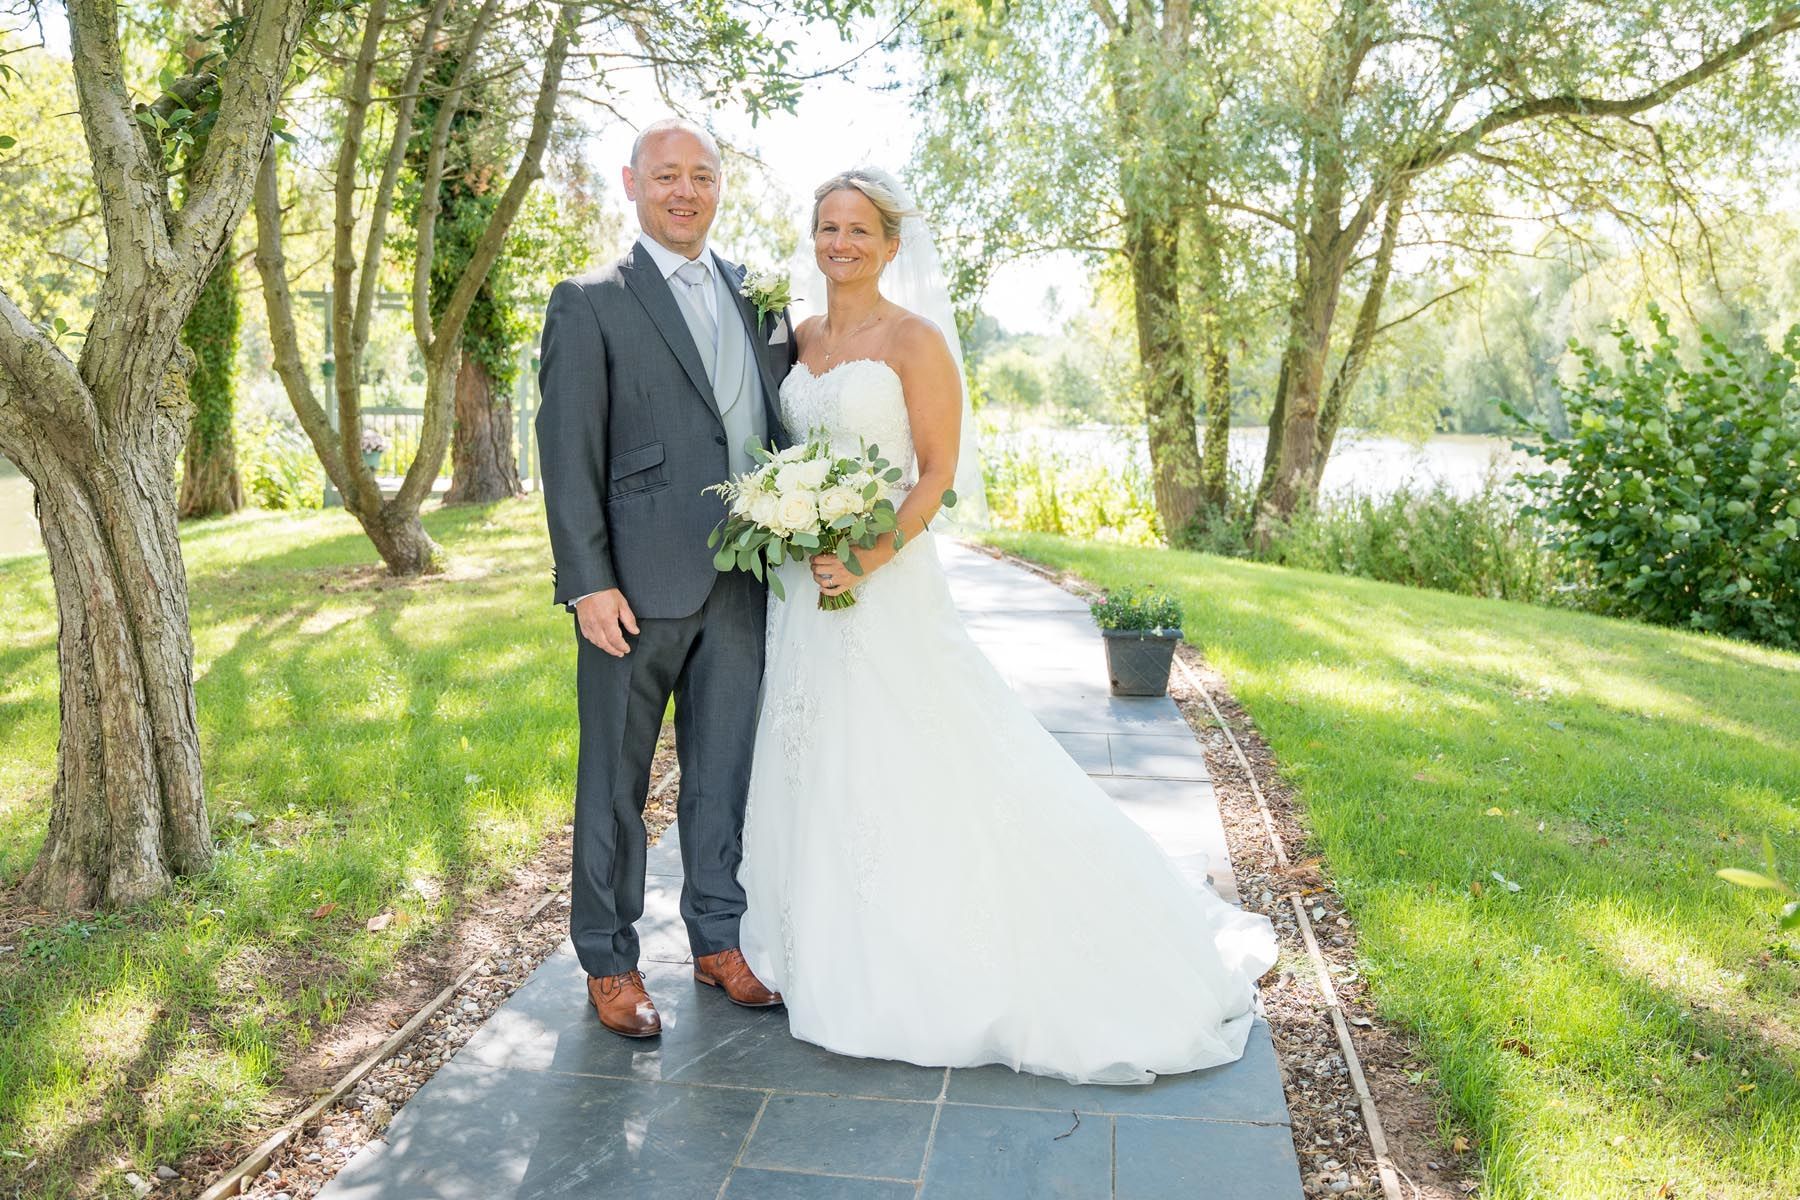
x,y
542,1102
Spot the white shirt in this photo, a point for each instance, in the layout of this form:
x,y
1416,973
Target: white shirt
x,y
669,261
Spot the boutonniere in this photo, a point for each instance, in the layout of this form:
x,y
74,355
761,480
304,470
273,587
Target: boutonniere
x,y
767,290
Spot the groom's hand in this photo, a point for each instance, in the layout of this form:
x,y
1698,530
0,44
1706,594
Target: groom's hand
x,y
604,617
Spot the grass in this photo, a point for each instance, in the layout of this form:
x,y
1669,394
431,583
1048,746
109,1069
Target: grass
x,y
400,748
1623,1021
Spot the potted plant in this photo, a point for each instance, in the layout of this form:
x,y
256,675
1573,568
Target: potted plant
x,y
373,447
1141,627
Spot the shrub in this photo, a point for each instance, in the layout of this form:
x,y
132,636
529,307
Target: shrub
x,y
1475,545
277,463
1137,609
1677,490
1039,491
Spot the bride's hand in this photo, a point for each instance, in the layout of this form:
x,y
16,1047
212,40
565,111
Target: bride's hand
x,y
832,576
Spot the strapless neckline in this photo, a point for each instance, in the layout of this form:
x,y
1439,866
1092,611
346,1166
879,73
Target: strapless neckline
x,y
815,376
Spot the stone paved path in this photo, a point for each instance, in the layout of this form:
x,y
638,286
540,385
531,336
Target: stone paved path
x,y
725,1105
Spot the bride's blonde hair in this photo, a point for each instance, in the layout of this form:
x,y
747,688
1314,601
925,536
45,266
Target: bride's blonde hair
x,y
884,191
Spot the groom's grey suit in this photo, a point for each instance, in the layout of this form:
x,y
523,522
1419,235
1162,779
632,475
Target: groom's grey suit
x,y
633,426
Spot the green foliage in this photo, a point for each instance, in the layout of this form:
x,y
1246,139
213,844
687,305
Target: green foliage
x,y
211,332
1050,491
1677,489
1138,608
1430,537
1625,1020
278,465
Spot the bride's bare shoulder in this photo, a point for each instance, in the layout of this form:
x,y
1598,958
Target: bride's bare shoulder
x,y
804,330
917,339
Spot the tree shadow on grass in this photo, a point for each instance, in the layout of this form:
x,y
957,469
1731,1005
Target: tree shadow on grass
x,y
380,738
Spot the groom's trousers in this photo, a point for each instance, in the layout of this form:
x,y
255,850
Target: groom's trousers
x,y
711,662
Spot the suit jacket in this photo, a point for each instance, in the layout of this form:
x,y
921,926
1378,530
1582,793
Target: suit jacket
x,y
629,434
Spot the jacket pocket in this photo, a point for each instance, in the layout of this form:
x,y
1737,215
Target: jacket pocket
x,y
635,470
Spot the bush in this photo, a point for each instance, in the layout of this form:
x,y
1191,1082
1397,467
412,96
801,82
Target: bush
x,y
1478,545
278,464
1137,609
1677,490
1036,491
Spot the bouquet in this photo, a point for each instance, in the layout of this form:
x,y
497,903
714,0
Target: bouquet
x,y
803,501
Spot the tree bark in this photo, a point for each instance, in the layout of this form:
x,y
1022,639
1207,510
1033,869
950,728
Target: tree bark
x,y
127,811
210,486
483,466
1169,414
98,440
1215,446
1362,339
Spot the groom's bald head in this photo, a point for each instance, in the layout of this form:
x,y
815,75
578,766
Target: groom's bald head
x,y
656,131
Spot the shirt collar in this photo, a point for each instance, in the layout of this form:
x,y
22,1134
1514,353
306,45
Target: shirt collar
x,y
668,261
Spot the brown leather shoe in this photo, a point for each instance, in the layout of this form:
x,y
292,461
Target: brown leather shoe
x,y
727,969
623,1004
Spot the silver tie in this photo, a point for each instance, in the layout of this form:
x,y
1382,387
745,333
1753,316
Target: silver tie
x,y
694,276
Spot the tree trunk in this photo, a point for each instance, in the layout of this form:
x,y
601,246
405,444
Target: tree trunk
x,y
210,485
1215,447
1309,341
1362,340
483,467
127,811
1169,414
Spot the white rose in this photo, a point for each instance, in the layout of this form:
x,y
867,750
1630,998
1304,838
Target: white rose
x,y
740,504
839,502
798,511
802,476
791,454
765,509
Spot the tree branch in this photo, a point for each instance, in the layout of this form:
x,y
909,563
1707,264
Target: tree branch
x,y
424,467
278,301
45,379
1784,20
390,170
220,184
129,183
432,178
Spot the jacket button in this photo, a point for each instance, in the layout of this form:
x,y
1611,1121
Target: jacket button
x,y
719,438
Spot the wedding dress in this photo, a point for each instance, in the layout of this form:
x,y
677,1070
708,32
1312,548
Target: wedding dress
x,y
930,877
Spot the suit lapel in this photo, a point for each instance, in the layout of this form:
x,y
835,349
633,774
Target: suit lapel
x,y
758,343
652,290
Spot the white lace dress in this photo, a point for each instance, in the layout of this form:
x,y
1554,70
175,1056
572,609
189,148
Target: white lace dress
x,y
930,877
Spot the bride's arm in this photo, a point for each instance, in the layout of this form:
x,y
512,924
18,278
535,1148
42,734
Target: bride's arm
x,y
921,358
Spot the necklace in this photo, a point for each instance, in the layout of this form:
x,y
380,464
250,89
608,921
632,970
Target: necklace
x,y
867,321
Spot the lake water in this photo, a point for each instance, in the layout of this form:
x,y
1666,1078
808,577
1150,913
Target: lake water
x,y
1362,463
1367,464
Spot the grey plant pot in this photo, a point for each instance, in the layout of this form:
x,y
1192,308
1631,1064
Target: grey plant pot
x,y
1138,660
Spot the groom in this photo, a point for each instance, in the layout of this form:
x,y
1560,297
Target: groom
x,y
655,374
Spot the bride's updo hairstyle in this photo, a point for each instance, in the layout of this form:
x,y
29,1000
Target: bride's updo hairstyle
x,y
885,192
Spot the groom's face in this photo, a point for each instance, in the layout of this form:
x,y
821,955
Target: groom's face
x,y
675,184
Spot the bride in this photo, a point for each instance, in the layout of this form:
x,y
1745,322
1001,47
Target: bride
x,y
929,876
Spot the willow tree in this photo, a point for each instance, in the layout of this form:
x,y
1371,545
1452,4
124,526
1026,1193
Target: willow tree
x,y
96,428
1371,100
1103,128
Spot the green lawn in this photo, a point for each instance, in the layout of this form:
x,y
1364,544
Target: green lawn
x,y
401,749
1625,1019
